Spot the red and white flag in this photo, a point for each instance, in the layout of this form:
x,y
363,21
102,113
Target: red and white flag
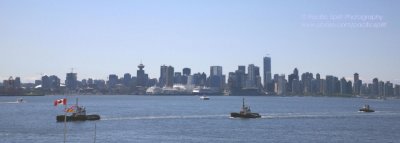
x,y
60,101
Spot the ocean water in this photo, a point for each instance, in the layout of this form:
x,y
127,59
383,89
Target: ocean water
x,y
188,119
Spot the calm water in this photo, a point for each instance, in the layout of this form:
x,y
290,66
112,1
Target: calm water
x,y
188,119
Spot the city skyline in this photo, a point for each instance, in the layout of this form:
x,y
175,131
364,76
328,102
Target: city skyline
x,y
212,71
99,38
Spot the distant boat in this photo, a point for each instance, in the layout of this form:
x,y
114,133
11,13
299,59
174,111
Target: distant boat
x,y
20,100
245,112
79,114
366,108
204,98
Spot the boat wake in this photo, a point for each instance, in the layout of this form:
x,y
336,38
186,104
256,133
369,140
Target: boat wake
x,y
316,115
324,115
165,117
14,102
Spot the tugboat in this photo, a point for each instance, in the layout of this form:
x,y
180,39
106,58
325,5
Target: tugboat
x,y
245,112
366,109
78,114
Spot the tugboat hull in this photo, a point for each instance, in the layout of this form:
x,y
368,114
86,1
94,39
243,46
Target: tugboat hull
x,y
61,118
249,115
366,110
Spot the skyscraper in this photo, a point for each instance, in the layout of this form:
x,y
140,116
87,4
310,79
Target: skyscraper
x,y
253,73
71,81
186,71
185,76
112,80
170,76
267,74
127,79
166,76
357,84
163,76
141,76
216,79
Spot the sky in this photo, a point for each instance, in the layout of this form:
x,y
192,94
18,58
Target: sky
x,y
98,38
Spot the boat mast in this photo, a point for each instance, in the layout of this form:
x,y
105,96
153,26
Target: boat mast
x,y
243,104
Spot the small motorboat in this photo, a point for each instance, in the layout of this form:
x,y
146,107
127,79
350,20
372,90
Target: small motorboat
x,y
245,112
366,108
204,98
20,100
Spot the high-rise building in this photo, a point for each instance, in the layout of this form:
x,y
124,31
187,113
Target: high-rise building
x,y
291,85
186,71
112,80
357,84
46,82
280,85
141,77
397,90
253,76
127,79
330,88
375,87
163,76
216,79
17,82
166,76
306,79
343,86
170,76
178,78
71,81
55,82
267,74
242,69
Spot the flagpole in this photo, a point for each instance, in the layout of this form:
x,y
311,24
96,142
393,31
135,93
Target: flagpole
x,y
94,141
65,121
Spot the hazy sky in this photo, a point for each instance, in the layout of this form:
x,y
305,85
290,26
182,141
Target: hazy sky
x,y
98,38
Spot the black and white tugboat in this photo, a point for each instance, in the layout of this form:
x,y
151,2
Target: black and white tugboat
x,y
78,114
245,112
366,109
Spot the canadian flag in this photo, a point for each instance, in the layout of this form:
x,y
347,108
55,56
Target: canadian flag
x,y
60,101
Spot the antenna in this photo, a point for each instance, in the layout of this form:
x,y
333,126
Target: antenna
x,y
72,70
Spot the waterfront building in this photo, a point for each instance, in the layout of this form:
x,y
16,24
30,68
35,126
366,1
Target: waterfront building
x,y
112,80
381,89
267,74
306,79
345,87
142,77
291,77
295,85
127,79
357,84
170,76
186,71
375,87
397,90
280,85
216,79
46,82
330,86
71,81
388,89
252,74
163,76
17,82
178,78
